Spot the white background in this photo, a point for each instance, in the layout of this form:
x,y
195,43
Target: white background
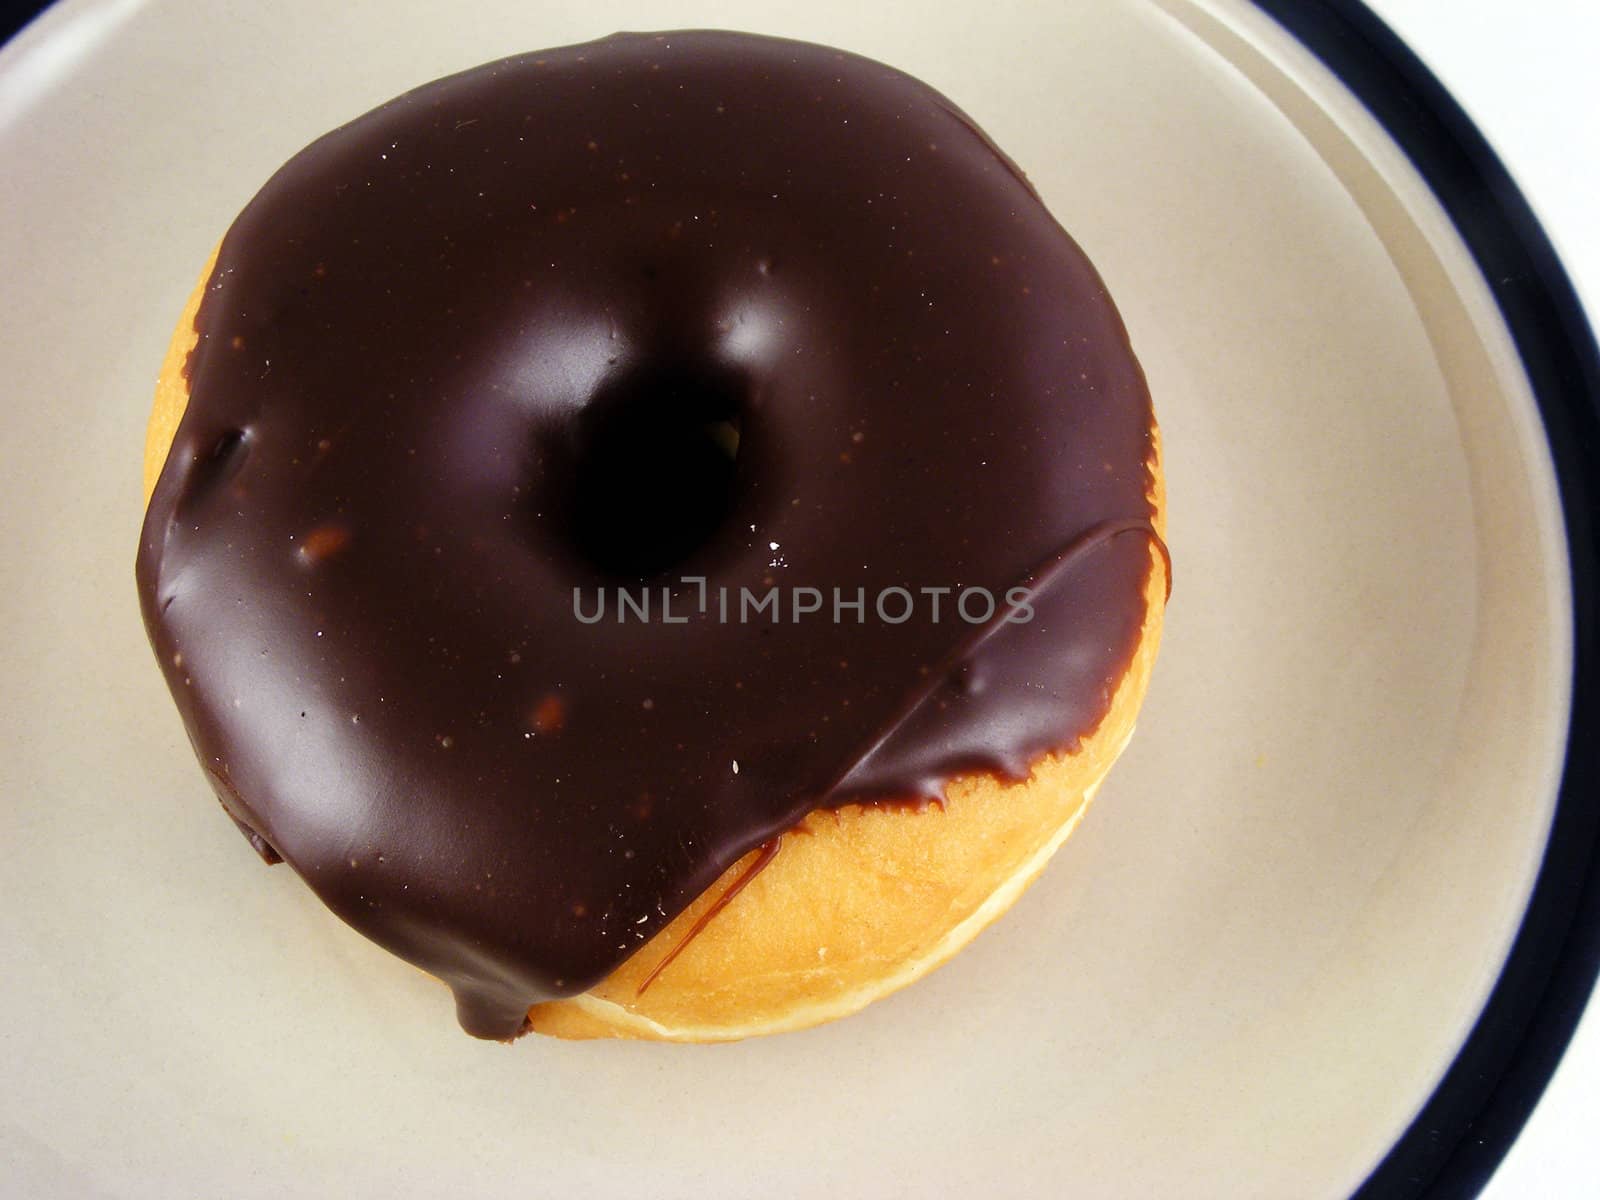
x,y
1528,72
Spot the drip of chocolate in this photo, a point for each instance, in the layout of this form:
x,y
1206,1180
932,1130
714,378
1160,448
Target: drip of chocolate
x,y
676,324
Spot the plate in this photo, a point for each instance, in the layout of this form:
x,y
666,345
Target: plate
x,y
1306,909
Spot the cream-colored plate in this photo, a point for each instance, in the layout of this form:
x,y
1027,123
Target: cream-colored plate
x,y
1240,978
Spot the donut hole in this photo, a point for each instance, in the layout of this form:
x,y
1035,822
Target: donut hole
x,y
655,466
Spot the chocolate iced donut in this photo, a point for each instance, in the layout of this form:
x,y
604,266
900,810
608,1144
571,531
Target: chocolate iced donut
x,y
583,471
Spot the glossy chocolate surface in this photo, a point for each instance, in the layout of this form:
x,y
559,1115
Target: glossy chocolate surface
x,y
627,314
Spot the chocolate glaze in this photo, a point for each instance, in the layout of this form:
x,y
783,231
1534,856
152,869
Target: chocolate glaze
x,y
698,304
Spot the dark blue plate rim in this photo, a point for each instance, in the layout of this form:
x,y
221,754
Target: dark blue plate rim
x,y
1465,1129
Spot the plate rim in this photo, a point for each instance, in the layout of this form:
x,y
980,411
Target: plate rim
x,y
1466,1127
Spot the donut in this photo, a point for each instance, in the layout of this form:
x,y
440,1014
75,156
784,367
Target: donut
x,y
663,534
